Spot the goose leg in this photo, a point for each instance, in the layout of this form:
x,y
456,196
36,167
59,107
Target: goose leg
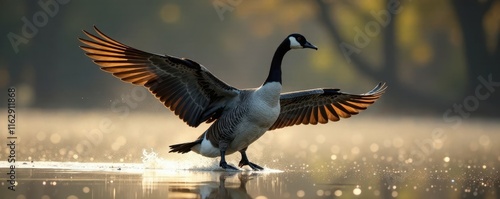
x,y
244,161
223,163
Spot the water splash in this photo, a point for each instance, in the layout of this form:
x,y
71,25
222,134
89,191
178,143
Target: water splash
x,y
152,160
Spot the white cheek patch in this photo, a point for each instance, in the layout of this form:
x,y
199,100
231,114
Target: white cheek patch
x,y
294,44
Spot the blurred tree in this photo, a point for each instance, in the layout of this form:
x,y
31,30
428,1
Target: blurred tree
x,y
430,52
384,19
482,60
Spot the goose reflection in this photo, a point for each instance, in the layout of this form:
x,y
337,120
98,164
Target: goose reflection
x,y
226,191
215,185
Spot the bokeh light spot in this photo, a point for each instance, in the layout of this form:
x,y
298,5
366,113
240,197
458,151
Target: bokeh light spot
x,y
374,147
356,191
337,193
301,193
170,13
55,138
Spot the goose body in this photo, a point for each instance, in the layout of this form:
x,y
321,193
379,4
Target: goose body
x,y
239,116
255,112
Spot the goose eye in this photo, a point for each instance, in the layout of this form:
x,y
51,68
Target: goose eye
x,y
299,39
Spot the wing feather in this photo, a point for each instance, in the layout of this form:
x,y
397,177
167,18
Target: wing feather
x,y
323,105
323,119
332,114
307,116
182,85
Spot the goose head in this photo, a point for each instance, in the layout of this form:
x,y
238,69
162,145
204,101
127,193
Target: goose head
x,y
297,41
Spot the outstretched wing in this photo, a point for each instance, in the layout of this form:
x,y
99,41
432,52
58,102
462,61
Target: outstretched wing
x,y
322,105
182,85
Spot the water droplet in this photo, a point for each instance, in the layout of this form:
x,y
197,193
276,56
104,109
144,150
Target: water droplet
x,y
446,159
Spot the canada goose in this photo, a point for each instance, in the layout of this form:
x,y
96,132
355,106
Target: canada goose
x,y
239,116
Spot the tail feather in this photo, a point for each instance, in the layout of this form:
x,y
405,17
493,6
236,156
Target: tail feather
x,y
183,147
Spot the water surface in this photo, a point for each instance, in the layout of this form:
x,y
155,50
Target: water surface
x,y
68,155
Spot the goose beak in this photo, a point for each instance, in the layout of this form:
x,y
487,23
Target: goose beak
x,y
309,45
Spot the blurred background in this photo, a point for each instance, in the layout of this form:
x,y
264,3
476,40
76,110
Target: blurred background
x,y
432,54
434,133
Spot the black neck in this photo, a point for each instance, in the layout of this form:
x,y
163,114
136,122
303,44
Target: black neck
x,y
275,71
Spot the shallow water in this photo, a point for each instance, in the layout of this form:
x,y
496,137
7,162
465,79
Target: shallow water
x,y
131,181
363,157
